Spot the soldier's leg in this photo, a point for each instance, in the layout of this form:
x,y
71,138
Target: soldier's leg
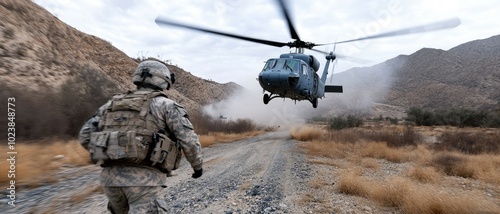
x,y
144,199
117,198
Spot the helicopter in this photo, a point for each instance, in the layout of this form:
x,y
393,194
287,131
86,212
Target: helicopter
x,y
294,75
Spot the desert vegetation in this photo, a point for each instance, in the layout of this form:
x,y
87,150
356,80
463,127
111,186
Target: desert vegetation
x,y
394,166
218,130
454,117
58,112
36,161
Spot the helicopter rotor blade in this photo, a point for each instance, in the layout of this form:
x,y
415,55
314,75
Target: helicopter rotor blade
x,y
286,14
445,24
353,59
339,56
319,51
162,21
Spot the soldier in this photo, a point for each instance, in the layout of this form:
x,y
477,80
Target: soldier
x,y
136,137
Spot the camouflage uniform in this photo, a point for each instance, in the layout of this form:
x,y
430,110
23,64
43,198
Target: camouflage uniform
x,y
137,189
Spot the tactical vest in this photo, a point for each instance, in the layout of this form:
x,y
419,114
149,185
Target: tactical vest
x,y
129,135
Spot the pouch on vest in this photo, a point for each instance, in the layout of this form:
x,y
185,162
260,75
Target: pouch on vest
x,y
167,154
124,146
98,146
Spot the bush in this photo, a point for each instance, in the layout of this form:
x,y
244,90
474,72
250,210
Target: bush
x,y
453,117
37,113
338,123
452,165
394,138
48,112
205,124
421,117
469,143
82,95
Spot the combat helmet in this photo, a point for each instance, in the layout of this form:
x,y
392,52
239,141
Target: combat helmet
x,y
153,74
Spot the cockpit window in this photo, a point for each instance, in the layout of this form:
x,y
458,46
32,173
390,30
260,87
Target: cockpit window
x,y
270,64
286,64
293,65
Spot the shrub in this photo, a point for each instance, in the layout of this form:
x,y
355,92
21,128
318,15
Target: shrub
x,y
205,124
48,112
424,174
453,117
37,112
452,165
469,143
394,138
412,198
420,117
308,133
338,123
82,95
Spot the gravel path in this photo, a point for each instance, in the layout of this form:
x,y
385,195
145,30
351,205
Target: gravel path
x,y
265,174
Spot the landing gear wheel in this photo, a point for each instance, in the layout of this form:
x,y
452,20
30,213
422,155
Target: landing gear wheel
x,y
315,102
266,99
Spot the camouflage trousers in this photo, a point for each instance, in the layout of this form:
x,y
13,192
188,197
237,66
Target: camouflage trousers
x,y
135,199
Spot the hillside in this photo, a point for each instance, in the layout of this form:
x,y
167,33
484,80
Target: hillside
x,y
466,76
38,50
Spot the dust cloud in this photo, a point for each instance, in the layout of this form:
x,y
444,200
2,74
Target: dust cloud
x,y
364,88
248,104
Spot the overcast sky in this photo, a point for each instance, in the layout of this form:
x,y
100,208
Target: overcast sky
x,y
129,25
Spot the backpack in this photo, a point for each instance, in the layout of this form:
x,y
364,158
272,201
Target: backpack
x,y
129,135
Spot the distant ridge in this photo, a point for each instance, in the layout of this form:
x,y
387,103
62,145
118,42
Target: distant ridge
x,y
466,76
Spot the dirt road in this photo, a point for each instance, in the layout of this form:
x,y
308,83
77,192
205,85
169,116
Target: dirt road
x,y
264,174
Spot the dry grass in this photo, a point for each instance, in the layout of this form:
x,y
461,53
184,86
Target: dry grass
x,y
413,198
219,137
317,183
482,167
35,161
350,183
382,151
370,163
422,185
424,174
308,133
328,149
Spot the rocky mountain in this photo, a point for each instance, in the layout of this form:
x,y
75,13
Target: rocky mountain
x,y
466,76
37,49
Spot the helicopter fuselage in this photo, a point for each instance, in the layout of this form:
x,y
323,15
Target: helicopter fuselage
x,y
294,76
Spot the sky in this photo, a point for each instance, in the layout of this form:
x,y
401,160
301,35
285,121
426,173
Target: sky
x,y
129,25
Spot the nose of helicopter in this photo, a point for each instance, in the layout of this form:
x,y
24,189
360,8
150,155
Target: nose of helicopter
x,y
272,81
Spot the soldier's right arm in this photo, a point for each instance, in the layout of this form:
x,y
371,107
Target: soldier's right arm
x,y
91,125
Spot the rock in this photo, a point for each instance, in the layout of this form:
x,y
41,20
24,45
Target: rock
x,y
268,209
58,157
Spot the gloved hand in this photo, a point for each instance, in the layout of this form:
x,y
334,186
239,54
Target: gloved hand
x,y
197,173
